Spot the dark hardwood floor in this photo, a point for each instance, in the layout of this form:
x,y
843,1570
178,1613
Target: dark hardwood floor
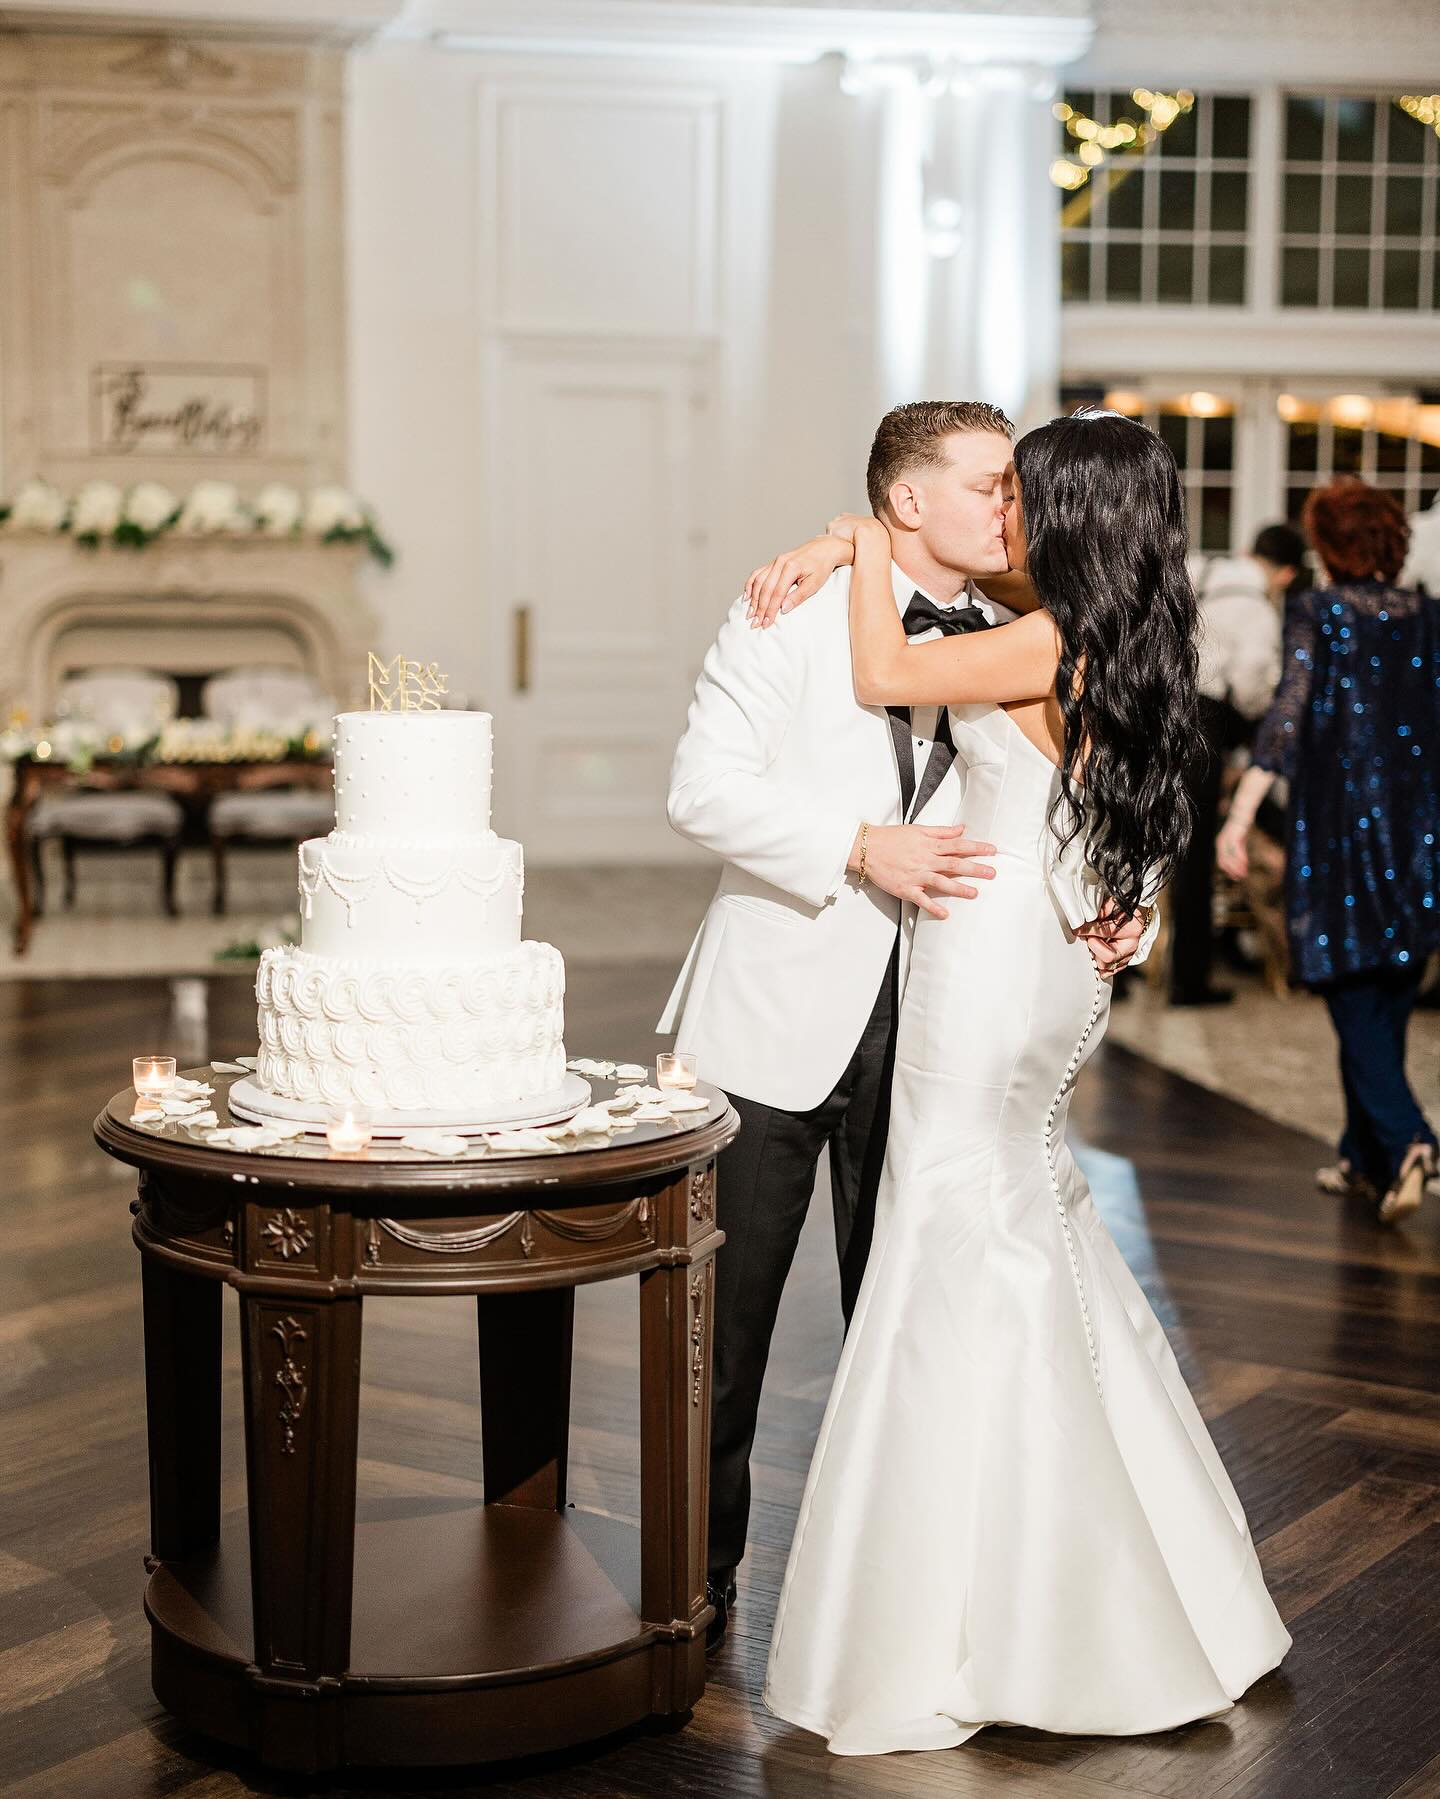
x,y
1311,1338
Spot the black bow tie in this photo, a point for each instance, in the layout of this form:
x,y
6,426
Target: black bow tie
x,y
924,615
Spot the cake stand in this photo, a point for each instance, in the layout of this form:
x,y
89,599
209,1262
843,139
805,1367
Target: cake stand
x,y
248,1099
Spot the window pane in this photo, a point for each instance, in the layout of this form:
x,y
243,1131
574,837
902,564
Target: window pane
x,y
1179,138
1126,201
1227,275
1355,135
1217,444
1295,503
1173,428
1304,128
1303,450
1391,452
1347,448
1352,278
1075,271
1175,272
1230,126
1302,203
1352,205
1228,195
1300,278
1215,518
1177,200
1404,197
1082,100
1402,279
1122,272
1407,137
1429,457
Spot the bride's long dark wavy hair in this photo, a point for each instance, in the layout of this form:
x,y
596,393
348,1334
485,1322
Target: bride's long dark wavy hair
x,y
1106,545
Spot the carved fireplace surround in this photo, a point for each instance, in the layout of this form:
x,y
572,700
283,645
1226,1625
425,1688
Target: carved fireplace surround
x,y
180,607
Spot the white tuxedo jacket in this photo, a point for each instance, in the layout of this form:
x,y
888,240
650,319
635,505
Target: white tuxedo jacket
x,y
777,769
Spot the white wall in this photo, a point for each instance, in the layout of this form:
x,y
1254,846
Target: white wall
x,y
819,317
795,326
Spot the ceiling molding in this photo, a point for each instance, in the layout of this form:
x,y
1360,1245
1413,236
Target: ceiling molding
x,y
325,21
968,32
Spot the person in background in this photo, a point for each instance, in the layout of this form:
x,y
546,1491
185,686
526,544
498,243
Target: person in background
x,y
1355,729
1422,565
1241,599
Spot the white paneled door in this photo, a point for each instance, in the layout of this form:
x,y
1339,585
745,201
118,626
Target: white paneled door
x,y
599,556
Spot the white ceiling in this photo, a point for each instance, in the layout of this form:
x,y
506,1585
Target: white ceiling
x,y
1191,42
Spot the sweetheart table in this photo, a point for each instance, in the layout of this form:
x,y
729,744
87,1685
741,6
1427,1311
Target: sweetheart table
x,y
317,1633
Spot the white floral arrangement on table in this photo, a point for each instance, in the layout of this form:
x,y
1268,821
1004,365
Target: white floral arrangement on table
x,y
135,517
76,742
205,740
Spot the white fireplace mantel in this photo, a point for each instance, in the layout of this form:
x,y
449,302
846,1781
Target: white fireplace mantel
x,y
179,606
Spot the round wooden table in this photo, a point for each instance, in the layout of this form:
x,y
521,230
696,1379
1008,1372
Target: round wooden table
x,y
418,1634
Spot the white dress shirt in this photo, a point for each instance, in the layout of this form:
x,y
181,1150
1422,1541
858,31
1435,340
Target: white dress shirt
x,y
1240,636
925,720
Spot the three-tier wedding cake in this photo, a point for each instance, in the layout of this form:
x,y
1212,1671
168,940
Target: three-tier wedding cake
x,y
411,991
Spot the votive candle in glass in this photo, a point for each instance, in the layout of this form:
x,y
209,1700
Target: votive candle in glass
x,y
675,1071
348,1135
152,1075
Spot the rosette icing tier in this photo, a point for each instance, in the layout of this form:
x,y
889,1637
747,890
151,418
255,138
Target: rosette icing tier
x,y
394,1035
411,989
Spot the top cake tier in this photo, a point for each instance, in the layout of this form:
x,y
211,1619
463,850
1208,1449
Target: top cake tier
x,y
413,775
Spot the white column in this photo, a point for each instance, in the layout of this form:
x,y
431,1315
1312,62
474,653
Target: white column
x,y
996,326
902,265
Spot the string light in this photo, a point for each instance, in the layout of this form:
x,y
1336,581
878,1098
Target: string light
x,y
1095,141
1424,107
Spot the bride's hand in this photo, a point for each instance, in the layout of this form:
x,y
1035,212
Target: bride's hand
x,y
782,584
778,586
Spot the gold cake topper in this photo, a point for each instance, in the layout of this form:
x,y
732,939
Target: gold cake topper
x,y
405,686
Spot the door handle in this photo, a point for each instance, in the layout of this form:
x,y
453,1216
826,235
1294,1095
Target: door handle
x,y
521,649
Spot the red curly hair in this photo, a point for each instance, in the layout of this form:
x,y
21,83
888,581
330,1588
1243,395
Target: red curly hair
x,y
1359,532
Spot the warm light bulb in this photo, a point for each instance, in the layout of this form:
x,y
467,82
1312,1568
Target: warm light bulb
x,y
1354,410
1205,406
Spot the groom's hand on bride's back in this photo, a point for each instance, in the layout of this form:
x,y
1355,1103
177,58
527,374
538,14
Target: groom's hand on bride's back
x,y
922,863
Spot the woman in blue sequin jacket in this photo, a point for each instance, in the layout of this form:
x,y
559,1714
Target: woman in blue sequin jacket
x,y
1355,730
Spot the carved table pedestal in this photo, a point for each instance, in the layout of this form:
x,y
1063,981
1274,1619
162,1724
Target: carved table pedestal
x,y
420,1632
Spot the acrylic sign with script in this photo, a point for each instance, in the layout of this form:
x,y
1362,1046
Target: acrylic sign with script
x,y
180,409
405,686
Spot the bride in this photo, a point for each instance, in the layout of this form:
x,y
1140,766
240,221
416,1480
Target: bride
x,y
1014,1512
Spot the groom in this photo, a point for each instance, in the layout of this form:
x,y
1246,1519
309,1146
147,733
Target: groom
x,y
790,994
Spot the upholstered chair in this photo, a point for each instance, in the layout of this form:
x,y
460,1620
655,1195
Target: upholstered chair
x,y
271,699
122,705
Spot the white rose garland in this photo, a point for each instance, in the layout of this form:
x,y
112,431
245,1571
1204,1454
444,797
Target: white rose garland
x,y
101,513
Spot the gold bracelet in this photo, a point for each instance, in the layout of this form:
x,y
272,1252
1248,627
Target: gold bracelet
x,y
864,852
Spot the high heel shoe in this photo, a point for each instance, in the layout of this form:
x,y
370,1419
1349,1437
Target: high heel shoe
x,y
1342,1180
1408,1188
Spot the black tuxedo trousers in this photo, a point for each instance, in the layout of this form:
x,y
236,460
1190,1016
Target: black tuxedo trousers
x,y
764,1183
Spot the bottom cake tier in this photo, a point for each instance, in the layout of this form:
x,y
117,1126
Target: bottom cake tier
x,y
373,1034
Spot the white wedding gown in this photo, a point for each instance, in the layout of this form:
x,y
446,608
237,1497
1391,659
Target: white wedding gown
x,y
1014,1512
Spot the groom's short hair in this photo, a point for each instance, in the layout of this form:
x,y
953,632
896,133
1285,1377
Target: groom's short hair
x,y
911,436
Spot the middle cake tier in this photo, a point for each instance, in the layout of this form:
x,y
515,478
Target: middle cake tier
x,y
423,901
